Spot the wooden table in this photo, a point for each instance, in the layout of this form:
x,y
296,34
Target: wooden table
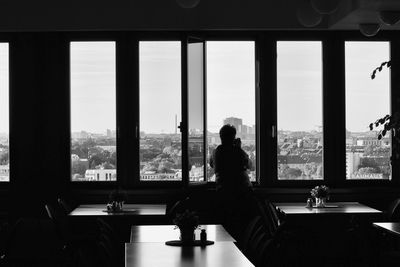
x,y
129,210
390,227
349,208
156,254
162,233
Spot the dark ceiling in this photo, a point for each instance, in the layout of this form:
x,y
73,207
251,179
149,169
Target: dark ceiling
x,y
78,15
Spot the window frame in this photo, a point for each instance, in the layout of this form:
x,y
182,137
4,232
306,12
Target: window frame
x,y
7,38
333,86
96,37
391,39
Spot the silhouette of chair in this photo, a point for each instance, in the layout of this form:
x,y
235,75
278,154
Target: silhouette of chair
x,y
65,207
179,207
393,211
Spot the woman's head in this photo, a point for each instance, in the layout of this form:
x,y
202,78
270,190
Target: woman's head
x,y
227,134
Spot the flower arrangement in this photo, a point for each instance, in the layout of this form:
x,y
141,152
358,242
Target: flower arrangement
x,y
320,191
186,220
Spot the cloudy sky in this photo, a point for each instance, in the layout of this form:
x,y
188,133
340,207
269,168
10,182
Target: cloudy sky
x,y
230,85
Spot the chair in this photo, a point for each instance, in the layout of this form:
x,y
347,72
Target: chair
x,y
179,207
393,211
109,242
248,232
66,208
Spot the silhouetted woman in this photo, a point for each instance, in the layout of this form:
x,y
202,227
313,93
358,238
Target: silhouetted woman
x,y
234,188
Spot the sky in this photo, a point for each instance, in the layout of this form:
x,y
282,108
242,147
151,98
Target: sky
x,y
4,117
230,85
93,97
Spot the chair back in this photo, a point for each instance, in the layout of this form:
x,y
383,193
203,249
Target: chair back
x,y
253,225
393,211
64,206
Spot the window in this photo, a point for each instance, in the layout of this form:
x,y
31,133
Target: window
x,y
366,100
299,110
93,111
231,95
4,111
160,110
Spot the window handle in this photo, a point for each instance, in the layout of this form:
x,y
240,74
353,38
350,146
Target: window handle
x,y
273,131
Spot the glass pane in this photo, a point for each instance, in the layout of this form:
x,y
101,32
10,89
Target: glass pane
x,y
366,101
231,95
93,111
299,92
4,124
160,111
196,111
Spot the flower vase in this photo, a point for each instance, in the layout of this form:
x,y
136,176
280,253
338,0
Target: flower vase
x,y
187,235
320,202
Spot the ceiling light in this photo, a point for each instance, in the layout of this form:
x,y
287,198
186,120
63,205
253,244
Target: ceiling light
x,y
325,6
307,16
188,3
389,17
369,29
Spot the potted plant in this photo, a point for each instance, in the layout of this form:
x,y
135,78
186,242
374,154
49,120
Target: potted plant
x,y
388,123
187,222
321,194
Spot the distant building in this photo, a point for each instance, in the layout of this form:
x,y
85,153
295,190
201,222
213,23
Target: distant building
x,y
353,160
152,175
5,172
101,175
110,149
196,174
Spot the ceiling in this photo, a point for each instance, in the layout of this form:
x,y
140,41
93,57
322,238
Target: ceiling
x,y
352,13
106,15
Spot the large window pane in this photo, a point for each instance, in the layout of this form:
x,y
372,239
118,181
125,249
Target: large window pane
x,y
231,95
196,111
366,100
93,111
4,144
160,111
299,93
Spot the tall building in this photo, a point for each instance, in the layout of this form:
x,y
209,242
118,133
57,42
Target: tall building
x,y
236,122
109,133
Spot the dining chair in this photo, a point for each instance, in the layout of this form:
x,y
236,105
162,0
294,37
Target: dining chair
x,y
248,232
393,211
65,207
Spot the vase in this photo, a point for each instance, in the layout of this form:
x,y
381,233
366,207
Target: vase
x,y
320,202
187,235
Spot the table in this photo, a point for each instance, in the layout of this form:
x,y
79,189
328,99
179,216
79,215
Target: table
x,y
162,233
129,210
349,208
332,232
391,227
156,254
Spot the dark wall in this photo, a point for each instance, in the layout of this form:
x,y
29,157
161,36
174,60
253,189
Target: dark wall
x,y
38,132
